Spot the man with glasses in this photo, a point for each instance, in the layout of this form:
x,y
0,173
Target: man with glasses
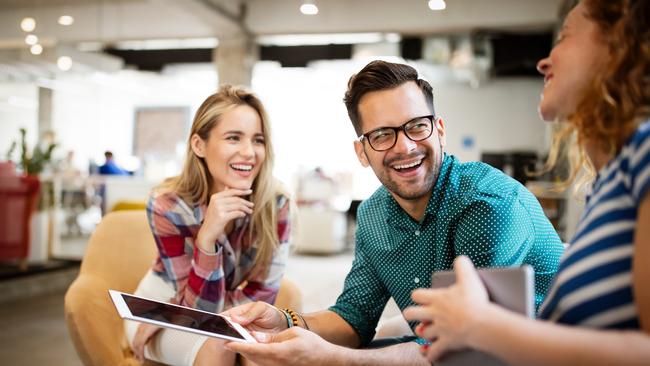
x,y
430,209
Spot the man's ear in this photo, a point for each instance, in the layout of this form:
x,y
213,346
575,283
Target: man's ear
x,y
361,154
440,127
198,145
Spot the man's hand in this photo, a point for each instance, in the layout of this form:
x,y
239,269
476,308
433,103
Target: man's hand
x,y
142,336
258,316
294,346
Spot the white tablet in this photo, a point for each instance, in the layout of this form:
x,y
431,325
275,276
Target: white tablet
x,y
511,287
178,317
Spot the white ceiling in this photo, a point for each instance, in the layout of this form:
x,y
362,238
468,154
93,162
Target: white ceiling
x,y
112,20
109,21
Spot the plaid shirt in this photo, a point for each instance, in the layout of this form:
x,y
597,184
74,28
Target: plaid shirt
x,y
218,281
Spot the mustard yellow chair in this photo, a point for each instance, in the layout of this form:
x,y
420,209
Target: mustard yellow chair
x,y
119,253
129,205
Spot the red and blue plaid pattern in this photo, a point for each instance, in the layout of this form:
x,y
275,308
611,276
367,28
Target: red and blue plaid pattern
x,y
213,282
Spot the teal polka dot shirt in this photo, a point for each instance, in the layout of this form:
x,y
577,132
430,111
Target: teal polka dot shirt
x,y
474,210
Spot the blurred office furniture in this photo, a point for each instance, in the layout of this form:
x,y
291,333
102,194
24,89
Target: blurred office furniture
x,y
322,222
517,164
122,188
555,205
129,205
18,200
320,230
119,253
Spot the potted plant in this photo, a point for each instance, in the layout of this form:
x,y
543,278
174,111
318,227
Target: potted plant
x,y
32,164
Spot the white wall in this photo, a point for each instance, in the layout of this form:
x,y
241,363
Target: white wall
x,y
93,113
18,109
500,115
311,126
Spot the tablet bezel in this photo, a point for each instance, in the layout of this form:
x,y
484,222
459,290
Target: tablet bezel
x,y
124,312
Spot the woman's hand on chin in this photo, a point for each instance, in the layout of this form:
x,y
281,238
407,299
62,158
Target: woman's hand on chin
x,y
224,207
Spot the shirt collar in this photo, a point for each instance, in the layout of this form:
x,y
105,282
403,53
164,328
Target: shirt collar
x,y
394,211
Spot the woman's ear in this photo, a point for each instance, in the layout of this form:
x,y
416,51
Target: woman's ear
x,y
198,145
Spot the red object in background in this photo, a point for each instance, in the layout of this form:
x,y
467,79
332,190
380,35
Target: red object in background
x,y
18,199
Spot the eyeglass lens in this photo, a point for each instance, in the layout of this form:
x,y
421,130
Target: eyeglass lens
x,y
416,130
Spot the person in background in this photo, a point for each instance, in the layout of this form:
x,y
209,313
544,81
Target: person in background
x,y
110,167
597,311
430,209
221,228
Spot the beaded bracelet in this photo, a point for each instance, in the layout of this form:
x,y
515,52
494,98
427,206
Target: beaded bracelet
x,y
287,316
303,321
293,316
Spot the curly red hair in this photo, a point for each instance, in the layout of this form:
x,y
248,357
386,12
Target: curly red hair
x,y
619,97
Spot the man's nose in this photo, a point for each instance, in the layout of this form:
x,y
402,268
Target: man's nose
x,y
403,143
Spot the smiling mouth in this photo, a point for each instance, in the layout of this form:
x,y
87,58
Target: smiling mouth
x,y
242,167
409,166
548,78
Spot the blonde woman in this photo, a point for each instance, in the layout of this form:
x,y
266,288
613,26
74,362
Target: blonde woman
x,y
221,228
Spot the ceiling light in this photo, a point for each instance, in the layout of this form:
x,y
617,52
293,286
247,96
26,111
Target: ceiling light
x,y
437,5
28,24
36,49
66,20
64,63
309,8
31,39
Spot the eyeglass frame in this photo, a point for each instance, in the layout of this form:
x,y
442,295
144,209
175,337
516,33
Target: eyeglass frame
x,y
432,119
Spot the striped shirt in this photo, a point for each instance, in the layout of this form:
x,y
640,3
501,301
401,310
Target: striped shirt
x,y
594,284
212,282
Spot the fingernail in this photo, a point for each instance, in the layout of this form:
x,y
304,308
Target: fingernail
x,y
425,347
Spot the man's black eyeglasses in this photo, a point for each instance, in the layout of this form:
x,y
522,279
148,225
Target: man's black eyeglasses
x,y
384,138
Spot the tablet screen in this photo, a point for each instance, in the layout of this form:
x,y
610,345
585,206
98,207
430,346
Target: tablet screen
x,y
179,316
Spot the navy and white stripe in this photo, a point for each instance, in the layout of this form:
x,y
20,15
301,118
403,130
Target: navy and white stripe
x,y
593,286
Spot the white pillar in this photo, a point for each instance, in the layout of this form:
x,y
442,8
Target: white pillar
x,y
44,112
235,58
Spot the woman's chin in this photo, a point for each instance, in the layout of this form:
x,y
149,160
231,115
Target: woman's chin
x,y
243,185
547,113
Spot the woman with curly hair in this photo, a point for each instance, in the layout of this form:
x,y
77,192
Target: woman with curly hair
x,y
597,312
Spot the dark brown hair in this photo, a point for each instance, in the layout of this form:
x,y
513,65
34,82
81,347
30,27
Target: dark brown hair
x,y
381,75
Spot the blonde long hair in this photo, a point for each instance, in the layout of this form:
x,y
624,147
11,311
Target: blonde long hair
x,y
193,184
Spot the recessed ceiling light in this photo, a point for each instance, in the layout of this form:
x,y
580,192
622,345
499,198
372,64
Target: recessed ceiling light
x,y
28,24
309,8
31,39
36,49
64,63
66,20
437,5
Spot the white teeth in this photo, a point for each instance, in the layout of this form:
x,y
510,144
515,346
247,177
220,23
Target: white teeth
x,y
246,168
405,166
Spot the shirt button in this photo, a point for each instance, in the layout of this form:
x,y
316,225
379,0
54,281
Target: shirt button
x,y
416,280
417,232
